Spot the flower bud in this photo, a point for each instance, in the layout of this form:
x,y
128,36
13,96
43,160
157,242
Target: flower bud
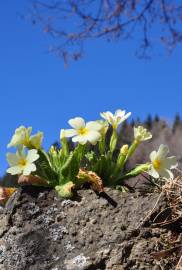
x,y
124,150
64,142
113,141
65,190
141,134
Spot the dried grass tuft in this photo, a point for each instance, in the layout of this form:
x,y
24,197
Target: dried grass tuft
x,y
173,192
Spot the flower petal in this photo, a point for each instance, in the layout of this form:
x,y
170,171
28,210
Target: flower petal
x,y
153,172
153,155
77,122
16,139
166,174
21,152
32,155
12,159
93,137
162,152
119,113
36,140
70,133
14,170
80,139
108,116
92,125
29,168
21,135
125,117
170,162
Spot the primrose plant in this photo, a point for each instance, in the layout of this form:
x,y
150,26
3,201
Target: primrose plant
x,y
66,170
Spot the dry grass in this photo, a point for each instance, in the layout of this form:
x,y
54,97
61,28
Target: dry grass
x,y
173,192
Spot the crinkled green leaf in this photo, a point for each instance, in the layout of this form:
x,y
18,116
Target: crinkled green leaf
x,y
70,169
45,169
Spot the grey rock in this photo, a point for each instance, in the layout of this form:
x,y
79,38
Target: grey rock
x,y
40,231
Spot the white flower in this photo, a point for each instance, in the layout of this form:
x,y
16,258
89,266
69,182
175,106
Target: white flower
x,y
22,137
62,134
22,162
141,134
83,132
36,140
161,165
115,119
104,126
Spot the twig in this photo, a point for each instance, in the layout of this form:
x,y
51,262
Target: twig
x,y
179,265
150,212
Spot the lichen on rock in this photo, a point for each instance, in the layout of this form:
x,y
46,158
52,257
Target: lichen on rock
x,y
40,231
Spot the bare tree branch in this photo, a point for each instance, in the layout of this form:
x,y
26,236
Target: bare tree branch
x,y
72,22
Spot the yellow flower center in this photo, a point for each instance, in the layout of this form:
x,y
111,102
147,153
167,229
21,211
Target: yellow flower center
x,y
156,164
83,131
22,162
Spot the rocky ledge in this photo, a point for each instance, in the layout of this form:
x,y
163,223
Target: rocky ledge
x,y
112,231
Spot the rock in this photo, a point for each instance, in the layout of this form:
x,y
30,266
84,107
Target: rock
x,y
40,231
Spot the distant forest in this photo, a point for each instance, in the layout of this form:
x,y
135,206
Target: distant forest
x,y
162,134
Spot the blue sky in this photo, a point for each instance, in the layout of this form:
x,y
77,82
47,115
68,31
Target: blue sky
x,y
36,90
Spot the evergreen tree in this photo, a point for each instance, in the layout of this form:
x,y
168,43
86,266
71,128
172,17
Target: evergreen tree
x,y
132,122
156,118
149,122
177,122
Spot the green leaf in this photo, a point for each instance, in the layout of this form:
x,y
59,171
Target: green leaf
x,y
70,168
90,156
44,168
135,172
65,169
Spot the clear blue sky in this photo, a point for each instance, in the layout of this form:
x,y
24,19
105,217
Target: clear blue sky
x,y
36,90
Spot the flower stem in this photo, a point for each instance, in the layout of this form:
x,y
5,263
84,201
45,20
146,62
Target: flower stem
x,y
135,172
132,149
102,145
65,147
113,141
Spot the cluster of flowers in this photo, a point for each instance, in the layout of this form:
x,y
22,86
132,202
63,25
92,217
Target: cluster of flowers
x,y
61,168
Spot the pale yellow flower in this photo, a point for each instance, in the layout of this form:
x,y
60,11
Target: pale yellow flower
x,y
161,165
141,134
22,162
115,119
23,136
83,132
104,126
36,140
62,134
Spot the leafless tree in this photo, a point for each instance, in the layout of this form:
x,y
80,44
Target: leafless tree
x,y
72,22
